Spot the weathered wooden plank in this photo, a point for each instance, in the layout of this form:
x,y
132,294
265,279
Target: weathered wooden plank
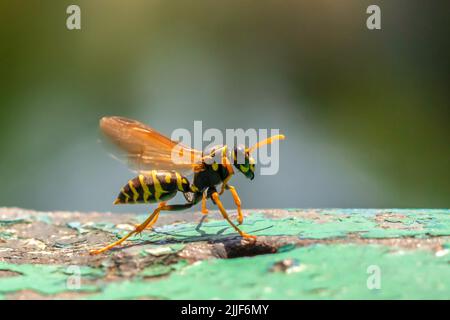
x,y
315,253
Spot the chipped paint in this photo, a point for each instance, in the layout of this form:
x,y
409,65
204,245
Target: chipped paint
x,y
162,269
76,225
178,260
338,224
45,279
9,222
163,250
327,272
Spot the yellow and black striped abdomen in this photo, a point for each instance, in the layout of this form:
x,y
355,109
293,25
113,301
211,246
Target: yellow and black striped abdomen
x,y
156,186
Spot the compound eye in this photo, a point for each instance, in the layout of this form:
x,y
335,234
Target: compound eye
x,y
243,168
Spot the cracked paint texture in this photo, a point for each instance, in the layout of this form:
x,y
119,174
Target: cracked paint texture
x,y
324,272
45,279
332,223
328,266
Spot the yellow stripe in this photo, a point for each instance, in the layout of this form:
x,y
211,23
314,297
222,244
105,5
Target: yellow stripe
x,y
158,189
124,193
194,188
215,166
179,185
147,192
135,193
168,177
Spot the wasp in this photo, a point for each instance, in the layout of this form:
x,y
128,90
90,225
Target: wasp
x,y
150,154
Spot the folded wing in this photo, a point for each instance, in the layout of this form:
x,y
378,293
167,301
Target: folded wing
x,y
144,149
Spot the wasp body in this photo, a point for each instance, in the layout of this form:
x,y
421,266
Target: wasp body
x,y
159,185
160,179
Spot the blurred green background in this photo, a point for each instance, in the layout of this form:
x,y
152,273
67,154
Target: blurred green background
x,y
365,112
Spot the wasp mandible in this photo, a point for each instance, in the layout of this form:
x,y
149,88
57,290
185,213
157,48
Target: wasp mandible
x,y
149,153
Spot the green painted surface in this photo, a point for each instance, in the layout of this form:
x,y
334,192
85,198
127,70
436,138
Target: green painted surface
x,y
45,279
336,223
320,271
10,222
161,269
160,250
324,272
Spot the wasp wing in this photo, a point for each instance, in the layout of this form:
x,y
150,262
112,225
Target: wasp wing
x,y
144,149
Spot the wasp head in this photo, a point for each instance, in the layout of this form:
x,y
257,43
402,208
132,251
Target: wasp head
x,y
244,162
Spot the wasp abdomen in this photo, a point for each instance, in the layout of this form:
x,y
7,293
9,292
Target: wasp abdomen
x,y
157,186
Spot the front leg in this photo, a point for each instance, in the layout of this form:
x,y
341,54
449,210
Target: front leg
x,y
237,201
224,184
215,197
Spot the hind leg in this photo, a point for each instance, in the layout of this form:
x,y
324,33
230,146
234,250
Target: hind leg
x,y
147,223
150,224
138,229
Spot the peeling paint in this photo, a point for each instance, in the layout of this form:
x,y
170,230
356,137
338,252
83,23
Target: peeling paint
x,y
161,269
163,250
155,267
9,222
45,279
328,272
341,223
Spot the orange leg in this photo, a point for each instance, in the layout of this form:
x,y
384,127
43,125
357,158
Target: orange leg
x,y
215,197
204,209
224,185
149,222
237,201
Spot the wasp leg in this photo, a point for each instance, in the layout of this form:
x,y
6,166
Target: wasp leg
x,y
237,201
138,229
204,209
149,222
215,197
224,185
